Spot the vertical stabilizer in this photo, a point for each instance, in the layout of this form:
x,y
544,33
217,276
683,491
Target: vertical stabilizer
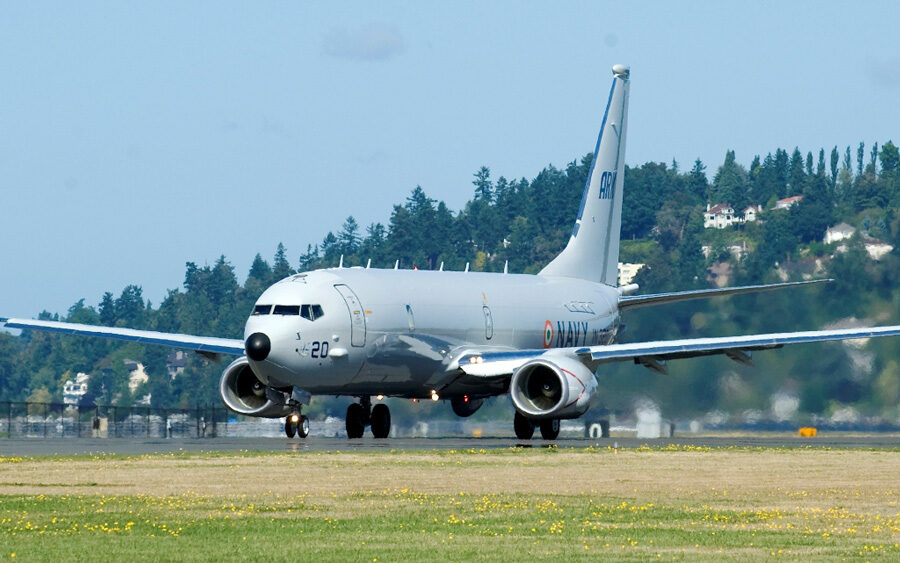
x,y
593,250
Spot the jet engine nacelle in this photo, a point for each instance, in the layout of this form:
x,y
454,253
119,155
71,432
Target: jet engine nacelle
x,y
552,387
244,393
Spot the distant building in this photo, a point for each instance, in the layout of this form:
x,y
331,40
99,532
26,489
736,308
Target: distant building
x,y
175,363
788,202
751,213
718,216
136,374
627,272
74,390
841,231
877,249
722,215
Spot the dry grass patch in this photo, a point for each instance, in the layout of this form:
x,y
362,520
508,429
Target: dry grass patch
x,y
510,504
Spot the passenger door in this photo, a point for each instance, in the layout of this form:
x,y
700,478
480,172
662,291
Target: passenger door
x,y
357,315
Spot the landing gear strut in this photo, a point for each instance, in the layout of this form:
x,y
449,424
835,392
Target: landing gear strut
x,y
296,424
362,414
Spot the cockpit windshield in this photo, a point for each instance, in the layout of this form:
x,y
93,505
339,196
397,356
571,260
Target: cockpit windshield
x,y
309,312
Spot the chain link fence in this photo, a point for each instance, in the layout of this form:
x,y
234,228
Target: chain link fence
x,y
58,420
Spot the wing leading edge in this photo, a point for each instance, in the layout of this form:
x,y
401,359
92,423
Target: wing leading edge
x,y
201,344
654,354
634,301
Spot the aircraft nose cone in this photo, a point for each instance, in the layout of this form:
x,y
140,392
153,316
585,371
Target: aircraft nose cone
x,y
258,346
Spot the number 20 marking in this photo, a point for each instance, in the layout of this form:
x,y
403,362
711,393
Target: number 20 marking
x,y
319,349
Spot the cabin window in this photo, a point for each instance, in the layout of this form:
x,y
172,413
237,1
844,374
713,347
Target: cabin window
x,y
286,310
261,310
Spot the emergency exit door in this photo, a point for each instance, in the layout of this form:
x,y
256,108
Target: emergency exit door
x,y
357,315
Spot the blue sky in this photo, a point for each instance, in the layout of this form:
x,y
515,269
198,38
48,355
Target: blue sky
x,y
136,137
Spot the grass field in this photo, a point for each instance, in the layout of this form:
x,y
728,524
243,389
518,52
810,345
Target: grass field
x,y
589,504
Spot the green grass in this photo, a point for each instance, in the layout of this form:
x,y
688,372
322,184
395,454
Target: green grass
x,y
407,526
253,520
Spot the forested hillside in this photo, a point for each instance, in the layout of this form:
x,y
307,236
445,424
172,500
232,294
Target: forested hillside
x,y
525,223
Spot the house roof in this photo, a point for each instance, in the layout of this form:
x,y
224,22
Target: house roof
x,y
842,228
791,199
720,208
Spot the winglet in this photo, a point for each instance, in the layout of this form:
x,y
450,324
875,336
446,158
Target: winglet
x,y
3,320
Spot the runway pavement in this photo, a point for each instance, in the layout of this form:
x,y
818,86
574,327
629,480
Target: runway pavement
x,y
82,446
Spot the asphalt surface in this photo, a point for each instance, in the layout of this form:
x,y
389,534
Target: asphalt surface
x,y
82,446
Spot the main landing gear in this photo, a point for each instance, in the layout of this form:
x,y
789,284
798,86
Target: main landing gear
x,y
296,424
524,427
362,414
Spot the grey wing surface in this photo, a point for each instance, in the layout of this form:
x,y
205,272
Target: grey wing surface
x,y
201,344
634,301
651,354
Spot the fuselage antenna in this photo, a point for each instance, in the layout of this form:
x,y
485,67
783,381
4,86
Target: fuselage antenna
x,y
341,263
506,267
369,263
467,266
397,265
441,269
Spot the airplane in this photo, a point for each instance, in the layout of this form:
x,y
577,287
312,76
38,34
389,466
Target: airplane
x,y
460,336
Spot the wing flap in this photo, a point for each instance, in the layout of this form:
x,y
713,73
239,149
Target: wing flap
x,y
202,344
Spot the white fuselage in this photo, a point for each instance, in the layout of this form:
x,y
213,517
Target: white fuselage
x,y
400,332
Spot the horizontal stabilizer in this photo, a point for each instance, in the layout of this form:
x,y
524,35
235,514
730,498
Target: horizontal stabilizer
x,y
633,301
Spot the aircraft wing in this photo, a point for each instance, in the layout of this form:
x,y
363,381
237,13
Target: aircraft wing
x,y
201,344
633,301
653,355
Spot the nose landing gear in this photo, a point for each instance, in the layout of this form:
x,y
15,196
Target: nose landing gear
x,y
296,424
362,414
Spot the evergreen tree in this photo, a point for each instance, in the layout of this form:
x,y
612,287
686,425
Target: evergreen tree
x,y
730,183
108,310
483,186
835,158
348,238
281,268
797,175
260,270
698,183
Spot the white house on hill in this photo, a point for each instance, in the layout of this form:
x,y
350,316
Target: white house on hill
x,y
74,390
841,231
722,215
788,202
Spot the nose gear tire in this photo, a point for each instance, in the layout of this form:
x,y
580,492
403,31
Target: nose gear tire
x,y
303,427
290,428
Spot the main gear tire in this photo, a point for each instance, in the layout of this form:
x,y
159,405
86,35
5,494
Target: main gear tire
x,y
381,421
356,421
550,429
523,426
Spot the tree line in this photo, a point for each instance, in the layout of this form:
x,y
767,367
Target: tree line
x,y
525,223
